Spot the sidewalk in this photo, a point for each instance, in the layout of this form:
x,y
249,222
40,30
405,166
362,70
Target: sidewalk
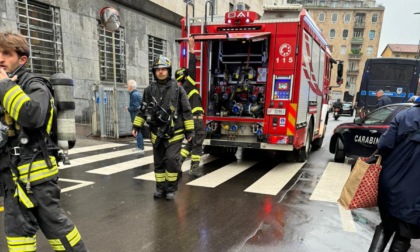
x,y
84,138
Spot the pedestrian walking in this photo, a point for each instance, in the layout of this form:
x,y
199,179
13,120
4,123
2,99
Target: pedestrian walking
x,y
398,190
133,108
166,110
28,169
186,78
382,99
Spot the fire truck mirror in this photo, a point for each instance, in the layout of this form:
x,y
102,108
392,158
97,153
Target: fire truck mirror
x,y
340,73
340,69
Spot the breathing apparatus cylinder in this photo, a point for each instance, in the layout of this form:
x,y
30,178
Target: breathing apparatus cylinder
x,y
64,99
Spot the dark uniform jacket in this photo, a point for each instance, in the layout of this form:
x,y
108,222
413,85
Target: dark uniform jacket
x,y
399,190
384,100
176,112
192,91
31,111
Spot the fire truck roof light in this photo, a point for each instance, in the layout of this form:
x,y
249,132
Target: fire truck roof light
x,y
184,52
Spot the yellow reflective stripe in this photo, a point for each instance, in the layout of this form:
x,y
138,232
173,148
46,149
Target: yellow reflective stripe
x,y
197,109
152,137
190,80
195,158
194,91
21,194
184,153
160,177
56,245
39,170
138,121
189,124
49,125
17,104
21,244
178,131
73,237
8,97
176,138
171,176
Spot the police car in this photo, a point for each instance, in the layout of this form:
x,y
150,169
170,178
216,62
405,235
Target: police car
x,y
360,138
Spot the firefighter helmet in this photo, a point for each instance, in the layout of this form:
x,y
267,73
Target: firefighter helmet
x,y
162,62
180,74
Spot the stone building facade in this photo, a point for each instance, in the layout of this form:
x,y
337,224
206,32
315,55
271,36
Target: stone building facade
x,y
352,29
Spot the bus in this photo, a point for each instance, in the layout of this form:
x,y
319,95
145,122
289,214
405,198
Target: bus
x,y
397,77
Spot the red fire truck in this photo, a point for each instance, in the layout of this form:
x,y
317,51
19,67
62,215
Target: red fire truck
x,y
264,80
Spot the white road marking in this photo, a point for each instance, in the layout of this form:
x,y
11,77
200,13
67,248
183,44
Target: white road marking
x,y
185,167
222,174
94,147
347,220
80,184
100,157
329,189
123,166
331,182
274,180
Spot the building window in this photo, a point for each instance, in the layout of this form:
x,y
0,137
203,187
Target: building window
x,y
347,17
369,50
334,4
353,66
41,25
332,33
105,55
346,5
345,33
157,47
371,34
343,49
321,17
334,17
374,18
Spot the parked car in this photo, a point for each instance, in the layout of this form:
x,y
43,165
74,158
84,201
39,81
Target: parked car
x,y
360,138
347,109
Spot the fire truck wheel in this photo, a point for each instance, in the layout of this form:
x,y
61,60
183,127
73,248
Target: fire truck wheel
x,y
339,155
302,154
317,143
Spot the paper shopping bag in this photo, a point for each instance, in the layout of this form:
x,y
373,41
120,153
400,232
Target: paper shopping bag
x,y
361,188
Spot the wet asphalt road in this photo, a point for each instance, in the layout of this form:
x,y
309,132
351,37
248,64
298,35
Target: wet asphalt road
x,y
115,210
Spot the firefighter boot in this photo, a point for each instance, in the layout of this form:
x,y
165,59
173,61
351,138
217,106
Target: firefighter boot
x,y
195,170
170,195
160,193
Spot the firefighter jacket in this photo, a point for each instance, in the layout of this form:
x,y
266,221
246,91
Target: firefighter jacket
x,y
192,92
30,112
167,111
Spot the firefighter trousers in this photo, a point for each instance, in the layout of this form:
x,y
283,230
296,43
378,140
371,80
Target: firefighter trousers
x,y
21,223
167,164
195,147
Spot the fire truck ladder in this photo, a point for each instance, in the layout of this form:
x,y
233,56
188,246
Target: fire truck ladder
x,y
198,52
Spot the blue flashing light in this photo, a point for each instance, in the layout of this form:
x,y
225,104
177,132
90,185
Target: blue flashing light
x,y
184,52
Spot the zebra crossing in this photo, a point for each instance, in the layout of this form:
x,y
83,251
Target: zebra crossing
x,y
270,183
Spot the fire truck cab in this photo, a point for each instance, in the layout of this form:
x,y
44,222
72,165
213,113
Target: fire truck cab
x,y
264,80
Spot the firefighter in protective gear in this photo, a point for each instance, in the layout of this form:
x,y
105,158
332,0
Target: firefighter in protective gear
x,y
166,110
186,78
28,170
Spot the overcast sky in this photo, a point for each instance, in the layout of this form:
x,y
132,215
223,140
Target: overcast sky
x,y
400,25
